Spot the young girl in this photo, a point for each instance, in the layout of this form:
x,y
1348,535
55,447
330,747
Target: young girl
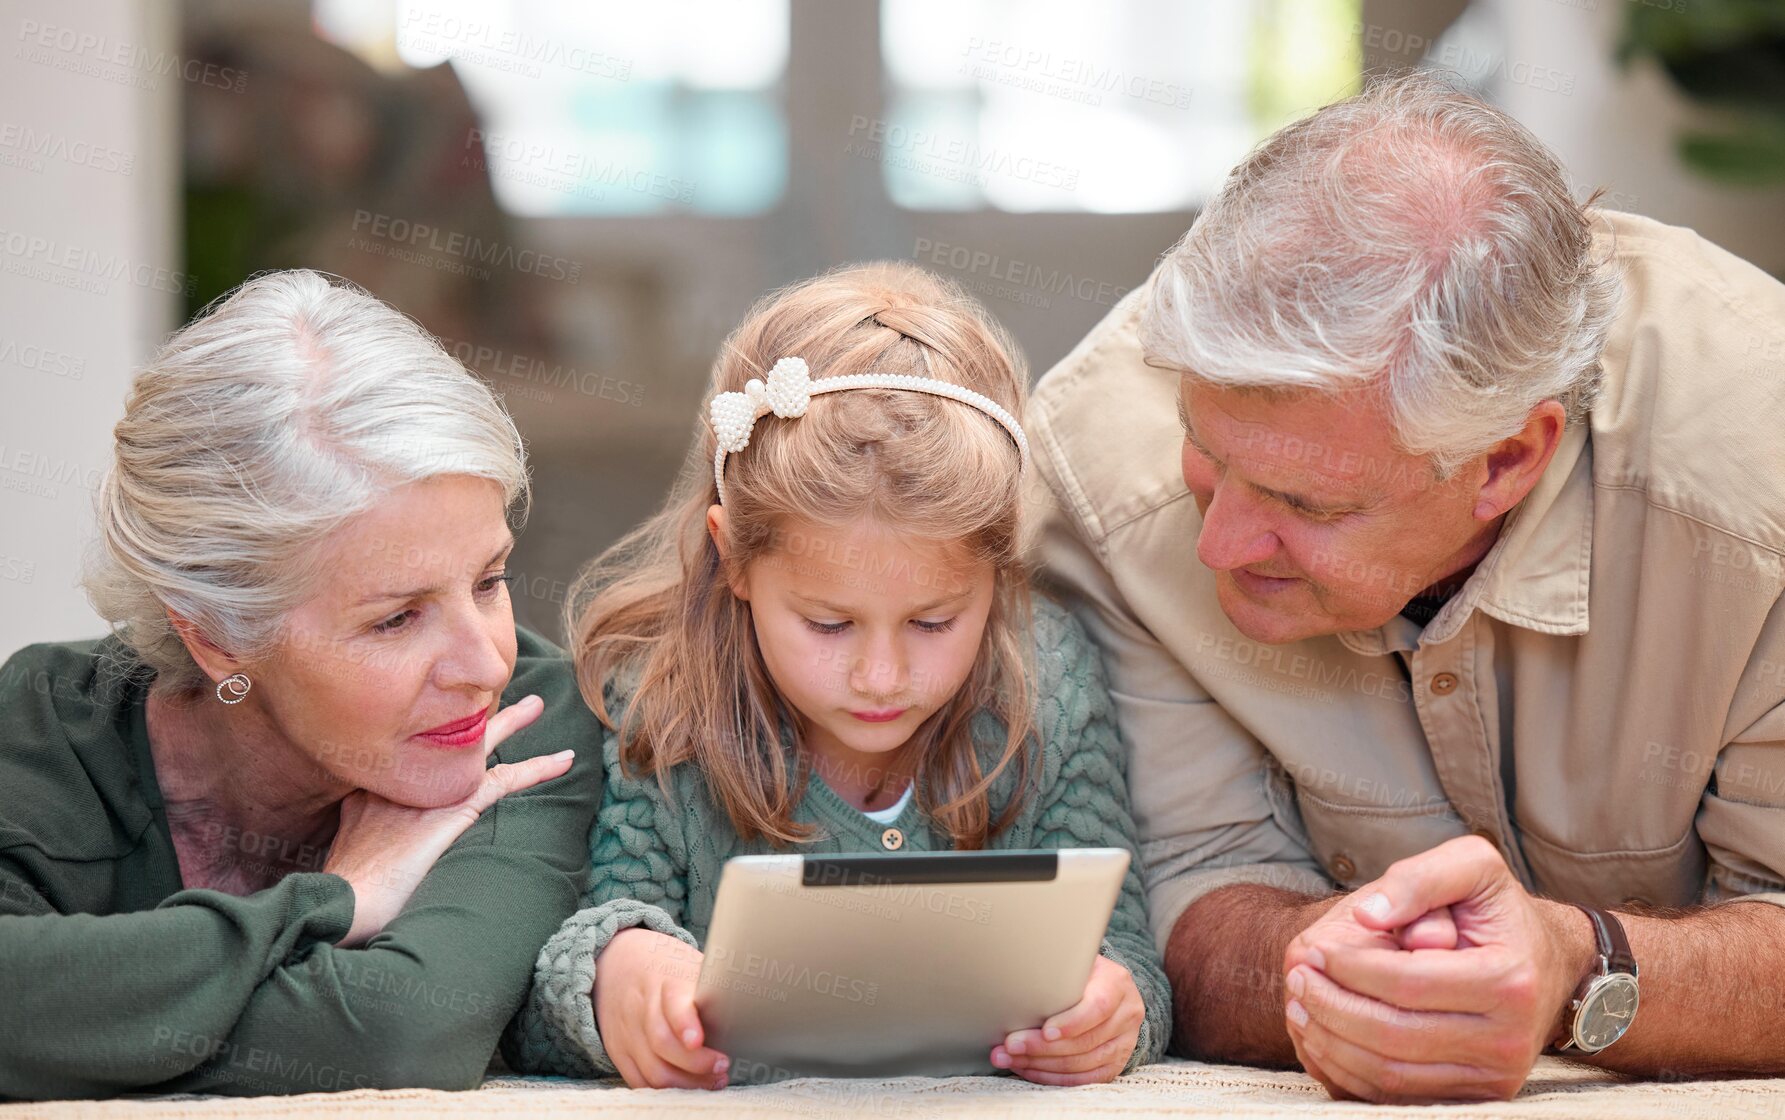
x,y
825,643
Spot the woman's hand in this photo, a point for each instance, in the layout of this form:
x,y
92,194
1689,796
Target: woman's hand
x,y
1089,1042
384,849
644,1008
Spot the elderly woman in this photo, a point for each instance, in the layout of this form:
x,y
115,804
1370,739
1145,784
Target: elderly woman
x,y
284,831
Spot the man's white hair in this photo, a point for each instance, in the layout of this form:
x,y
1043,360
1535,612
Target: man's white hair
x,y
1413,238
294,405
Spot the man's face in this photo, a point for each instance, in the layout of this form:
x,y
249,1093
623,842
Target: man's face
x,y
1312,520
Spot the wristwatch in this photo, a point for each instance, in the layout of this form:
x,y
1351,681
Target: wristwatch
x,y
1604,1005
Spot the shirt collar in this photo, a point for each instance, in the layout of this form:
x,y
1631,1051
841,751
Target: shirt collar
x,y
1537,573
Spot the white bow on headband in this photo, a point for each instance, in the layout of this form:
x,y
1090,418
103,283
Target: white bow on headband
x,y
790,388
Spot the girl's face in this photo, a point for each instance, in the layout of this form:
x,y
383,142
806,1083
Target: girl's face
x,y
866,632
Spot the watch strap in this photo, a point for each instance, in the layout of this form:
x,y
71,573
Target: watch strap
x,y
1614,944
1614,956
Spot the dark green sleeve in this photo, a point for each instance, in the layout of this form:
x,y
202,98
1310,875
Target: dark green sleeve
x,y
1086,805
212,993
423,1003
96,1005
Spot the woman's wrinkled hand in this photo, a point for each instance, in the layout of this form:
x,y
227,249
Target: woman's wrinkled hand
x,y
384,850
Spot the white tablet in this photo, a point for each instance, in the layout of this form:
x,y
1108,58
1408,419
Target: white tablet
x,y
880,965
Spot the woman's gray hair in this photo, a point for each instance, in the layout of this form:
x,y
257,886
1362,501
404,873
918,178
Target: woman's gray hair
x,y
292,406
1412,237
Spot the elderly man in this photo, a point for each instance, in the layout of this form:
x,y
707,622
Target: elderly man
x,y
1431,525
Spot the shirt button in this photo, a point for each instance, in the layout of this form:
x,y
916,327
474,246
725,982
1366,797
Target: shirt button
x,y
1444,683
892,839
1343,868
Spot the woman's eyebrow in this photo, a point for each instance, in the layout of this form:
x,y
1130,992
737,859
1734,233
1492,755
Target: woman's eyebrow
x,y
422,592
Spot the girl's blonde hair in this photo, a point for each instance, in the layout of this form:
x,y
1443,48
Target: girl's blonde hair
x,y
658,605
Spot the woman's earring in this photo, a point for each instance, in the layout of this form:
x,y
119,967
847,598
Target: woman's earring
x,y
238,685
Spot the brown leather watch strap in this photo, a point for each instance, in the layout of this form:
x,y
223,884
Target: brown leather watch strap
x,y
1614,946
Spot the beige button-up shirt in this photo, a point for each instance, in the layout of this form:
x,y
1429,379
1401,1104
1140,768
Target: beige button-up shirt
x,y
1604,698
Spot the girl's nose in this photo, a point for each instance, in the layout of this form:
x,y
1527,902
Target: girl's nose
x,y
879,672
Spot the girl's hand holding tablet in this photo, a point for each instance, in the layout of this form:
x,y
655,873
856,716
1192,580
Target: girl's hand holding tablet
x,y
644,1007
1089,1042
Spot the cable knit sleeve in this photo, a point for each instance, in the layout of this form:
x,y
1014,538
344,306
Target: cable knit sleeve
x,y
1086,803
639,878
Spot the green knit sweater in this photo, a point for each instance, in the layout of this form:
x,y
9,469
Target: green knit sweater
x,y
656,862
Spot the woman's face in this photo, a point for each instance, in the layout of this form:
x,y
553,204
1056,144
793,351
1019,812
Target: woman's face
x,y
385,679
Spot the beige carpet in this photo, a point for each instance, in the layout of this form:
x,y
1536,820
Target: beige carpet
x,y
1556,1089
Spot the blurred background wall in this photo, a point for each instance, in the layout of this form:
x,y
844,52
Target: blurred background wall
x,y
581,199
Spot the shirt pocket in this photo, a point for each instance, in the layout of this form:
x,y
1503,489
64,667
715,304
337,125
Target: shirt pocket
x,y
1673,875
1355,842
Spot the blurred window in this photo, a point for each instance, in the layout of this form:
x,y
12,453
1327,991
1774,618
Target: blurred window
x,y
1110,107
609,109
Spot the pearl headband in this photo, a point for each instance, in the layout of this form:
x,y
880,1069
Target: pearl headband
x,y
790,388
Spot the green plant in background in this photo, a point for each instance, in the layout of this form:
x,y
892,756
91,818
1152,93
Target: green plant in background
x,y
1305,53
1728,55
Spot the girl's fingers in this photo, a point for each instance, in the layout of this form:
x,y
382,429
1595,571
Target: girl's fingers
x,y
1080,1017
669,1035
1024,1042
1031,1044
508,720
1103,992
1043,1077
1126,1013
626,1068
682,1016
1113,1051
659,1074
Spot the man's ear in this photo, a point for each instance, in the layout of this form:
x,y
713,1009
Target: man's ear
x,y
212,660
1516,463
716,529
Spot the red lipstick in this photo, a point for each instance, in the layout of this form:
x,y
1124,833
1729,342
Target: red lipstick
x,y
458,733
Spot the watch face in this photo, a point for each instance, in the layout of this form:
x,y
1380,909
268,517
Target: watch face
x,y
1606,1011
